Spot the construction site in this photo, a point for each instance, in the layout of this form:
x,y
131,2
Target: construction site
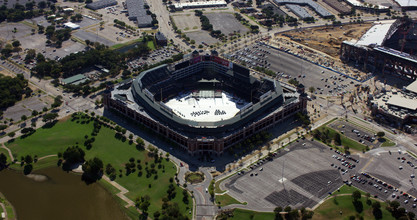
x,y
327,39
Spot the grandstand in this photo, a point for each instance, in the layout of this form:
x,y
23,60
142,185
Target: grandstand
x,y
206,103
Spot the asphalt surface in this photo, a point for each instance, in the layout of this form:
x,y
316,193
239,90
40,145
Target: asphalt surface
x,y
288,66
356,133
289,179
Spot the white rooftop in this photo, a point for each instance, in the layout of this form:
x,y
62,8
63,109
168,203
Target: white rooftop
x,y
206,109
198,4
412,87
358,3
376,34
407,3
71,25
402,102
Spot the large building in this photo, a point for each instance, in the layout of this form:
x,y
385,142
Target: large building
x,y
101,4
205,104
387,47
138,13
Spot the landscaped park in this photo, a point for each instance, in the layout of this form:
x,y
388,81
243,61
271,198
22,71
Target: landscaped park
x,y
149,176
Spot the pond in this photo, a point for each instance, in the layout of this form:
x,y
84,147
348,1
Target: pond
x,y
60,195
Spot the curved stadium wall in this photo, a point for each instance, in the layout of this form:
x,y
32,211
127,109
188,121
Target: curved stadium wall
x,y
143,100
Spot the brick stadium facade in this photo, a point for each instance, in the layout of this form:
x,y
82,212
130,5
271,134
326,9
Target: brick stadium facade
x,y
142,100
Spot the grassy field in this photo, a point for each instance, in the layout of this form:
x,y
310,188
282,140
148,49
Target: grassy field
x,y
345,189
47,141
352,144
242,214
331,208
109,150
225,199
387,143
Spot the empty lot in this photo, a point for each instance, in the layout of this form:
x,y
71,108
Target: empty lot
x,y
299,176
187,22
226,23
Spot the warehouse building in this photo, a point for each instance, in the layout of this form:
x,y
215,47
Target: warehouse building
x,y
101,4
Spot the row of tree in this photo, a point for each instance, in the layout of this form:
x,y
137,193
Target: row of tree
x,y
12,90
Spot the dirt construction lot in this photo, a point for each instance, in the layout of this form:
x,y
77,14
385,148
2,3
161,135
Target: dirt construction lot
x,y
327,39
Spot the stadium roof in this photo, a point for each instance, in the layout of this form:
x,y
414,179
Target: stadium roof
x,y
299,11
376,34
316,7
412,87
407,3
77,79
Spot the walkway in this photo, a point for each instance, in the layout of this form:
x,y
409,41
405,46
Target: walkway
x,y
122,192
4,210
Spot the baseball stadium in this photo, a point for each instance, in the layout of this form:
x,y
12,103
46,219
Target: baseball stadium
x,y
205,103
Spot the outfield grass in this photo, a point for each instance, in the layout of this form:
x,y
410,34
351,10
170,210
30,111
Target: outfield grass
x,y
242,214
226,199
109,150
345,189
331,208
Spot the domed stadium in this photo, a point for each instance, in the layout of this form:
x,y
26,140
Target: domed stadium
x,y
204,103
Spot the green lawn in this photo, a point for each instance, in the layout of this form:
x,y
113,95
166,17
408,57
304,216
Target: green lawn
x,y
345,189
226,199
150,45
352,144
47,141
242,214
109,150
387,143
331,208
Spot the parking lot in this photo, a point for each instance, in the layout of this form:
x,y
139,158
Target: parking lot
x,y
287,66
299,176
154,57
390,178
22,107
356,133
201,36
226,23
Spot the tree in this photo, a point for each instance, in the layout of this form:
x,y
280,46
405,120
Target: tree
x,y
337,139
16,43
3,160
356,195
73,155
28,159
380,134
93,169
277,213
143,203
49,117
376,210
311,89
